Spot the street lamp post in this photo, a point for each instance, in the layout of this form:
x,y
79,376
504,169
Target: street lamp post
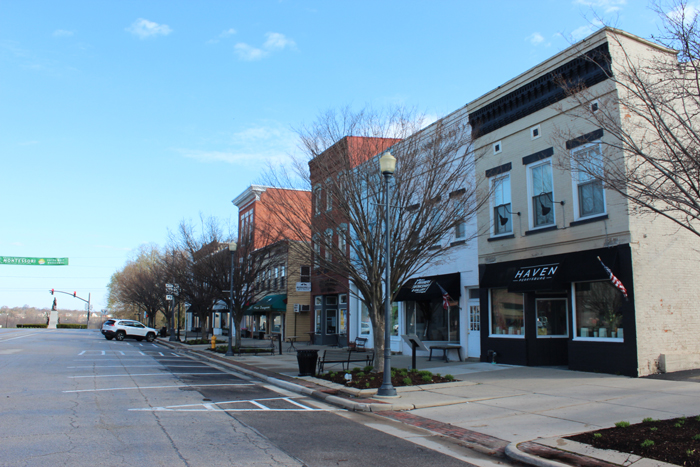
x,y
171,292
229,352
387,164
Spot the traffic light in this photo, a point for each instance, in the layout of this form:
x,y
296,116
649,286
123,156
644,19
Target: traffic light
x,y
75,294
51,291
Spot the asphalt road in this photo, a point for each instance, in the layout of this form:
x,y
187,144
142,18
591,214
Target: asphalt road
x,y
70,397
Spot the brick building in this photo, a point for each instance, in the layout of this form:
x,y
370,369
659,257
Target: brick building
x,y
546,299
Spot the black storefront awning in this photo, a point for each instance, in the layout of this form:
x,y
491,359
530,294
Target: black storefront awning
x,y
426,288
536,277
551,273
268,303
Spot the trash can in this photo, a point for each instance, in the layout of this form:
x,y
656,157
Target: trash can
x,y
307,359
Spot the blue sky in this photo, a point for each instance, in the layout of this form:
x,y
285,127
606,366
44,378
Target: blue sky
x,y
120,119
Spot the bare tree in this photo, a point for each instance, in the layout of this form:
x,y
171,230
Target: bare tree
x,y
140,283
433,192
198,262
651,153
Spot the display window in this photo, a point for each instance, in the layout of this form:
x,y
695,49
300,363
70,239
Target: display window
x,y
507,313
598,311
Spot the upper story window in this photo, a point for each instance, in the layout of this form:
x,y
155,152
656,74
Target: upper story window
x,y
329,197
542,194
246,224
317,200
342,238
304,274
460,228
317,251
588,188
328,245
497,147
502,212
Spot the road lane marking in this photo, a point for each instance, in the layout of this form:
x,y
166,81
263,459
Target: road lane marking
x,y
143,374
159,387
18,337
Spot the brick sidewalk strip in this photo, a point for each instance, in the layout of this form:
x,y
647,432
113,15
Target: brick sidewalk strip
x,y
483,443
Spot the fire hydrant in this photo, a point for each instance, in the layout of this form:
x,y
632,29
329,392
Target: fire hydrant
x,y
213,342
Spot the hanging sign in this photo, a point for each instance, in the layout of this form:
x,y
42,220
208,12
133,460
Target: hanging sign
x,y
16,260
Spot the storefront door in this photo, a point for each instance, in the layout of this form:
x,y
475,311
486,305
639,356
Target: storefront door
x,y
474,329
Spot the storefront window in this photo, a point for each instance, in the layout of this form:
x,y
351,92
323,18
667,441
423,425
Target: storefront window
x,y
431,322
343,319
365,324
277,323
552,317
318,320
331,321
507,315
598,311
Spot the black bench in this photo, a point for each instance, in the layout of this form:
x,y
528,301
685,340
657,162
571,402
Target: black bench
x,y
345,358
360,344
255,350
445,348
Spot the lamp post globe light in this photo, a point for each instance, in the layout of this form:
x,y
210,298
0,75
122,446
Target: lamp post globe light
x,y
387,165
229,352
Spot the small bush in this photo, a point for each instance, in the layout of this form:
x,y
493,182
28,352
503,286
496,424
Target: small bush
x,y
407,381
425,373
32,325
690,452
355,370
449,377
427,378
71,326
360,374
367,384
648,419
696,438
622,424
678,425
368,368
647,443
597,435
403,372
653,428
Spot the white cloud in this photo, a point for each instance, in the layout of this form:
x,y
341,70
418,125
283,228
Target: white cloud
x,y
144,28
249,147
228,32
275,41
586,30
608,6
248,53
62,33
686,14
535,38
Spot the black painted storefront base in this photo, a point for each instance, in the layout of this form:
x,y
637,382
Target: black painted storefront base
x,y
529,350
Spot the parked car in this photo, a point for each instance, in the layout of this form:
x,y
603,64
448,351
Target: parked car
x,y
120,329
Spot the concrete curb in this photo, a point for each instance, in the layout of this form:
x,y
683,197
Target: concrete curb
x,y
369,405
512,452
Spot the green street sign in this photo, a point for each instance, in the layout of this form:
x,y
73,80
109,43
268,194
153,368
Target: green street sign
x,y
19,261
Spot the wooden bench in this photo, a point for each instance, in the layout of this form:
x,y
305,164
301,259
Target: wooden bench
x,y
445,348
344,358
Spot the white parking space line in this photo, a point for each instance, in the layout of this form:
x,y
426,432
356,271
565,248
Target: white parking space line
x,y
159,387
143,374
138,366
216,407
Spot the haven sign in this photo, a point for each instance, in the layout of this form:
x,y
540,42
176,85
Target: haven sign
x,y
22,261
540,277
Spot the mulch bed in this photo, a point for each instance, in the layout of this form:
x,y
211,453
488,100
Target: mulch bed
x,y
362,379
676,441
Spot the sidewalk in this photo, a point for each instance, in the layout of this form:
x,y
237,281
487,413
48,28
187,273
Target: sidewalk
x,y
519,412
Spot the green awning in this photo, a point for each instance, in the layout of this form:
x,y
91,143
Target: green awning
x,y
276,303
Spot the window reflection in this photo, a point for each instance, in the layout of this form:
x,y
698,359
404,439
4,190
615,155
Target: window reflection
x,y
598,310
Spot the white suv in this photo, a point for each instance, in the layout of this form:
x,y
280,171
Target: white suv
x,y
123,328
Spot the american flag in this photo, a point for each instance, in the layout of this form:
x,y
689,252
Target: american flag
x,y
616,282
445,297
